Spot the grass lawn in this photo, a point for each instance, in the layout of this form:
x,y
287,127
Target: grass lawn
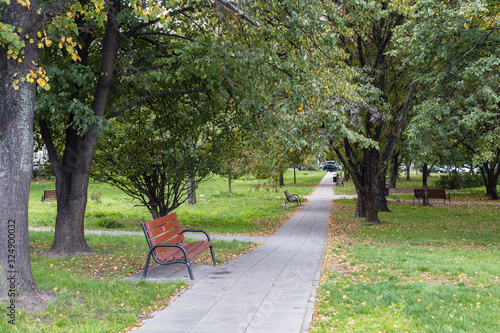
x,y
92,294
427,269
252,209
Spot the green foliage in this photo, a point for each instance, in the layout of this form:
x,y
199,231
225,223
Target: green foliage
x,y
109,223
95,195
452,51
455,180
151,154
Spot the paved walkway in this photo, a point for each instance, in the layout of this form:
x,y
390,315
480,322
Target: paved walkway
x,y
269,289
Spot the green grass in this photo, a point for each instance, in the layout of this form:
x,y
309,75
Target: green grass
x,y
92,294
252,208
427,269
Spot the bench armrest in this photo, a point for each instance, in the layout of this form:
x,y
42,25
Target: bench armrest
x,y
197,230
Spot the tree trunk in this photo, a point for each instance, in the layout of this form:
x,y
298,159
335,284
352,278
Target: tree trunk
x,y
282,180
381,198
408,171
346,176
425,175
191,190
72,180
294,176
17,106
394,172
229,179
490,177
367,204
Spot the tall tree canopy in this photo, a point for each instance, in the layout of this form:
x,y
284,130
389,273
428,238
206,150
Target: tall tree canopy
x,y
123,55
453,49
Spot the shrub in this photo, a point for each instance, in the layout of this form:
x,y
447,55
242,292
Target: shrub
x,y
109,223
95,195
457,180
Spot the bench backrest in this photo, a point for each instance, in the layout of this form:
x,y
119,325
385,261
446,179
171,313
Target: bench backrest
x,y
287,194
431,192
49,194
166,229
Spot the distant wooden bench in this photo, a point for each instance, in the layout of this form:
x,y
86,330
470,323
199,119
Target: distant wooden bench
x,y
49,195
291,198
432,193
167,244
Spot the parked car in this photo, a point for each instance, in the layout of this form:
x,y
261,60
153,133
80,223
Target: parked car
x,y
331,166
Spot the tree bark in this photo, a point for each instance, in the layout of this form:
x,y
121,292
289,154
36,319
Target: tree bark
x,y
17,107
346,176
425,175
229,178
192,190
381,198
490,175
408,171
367,205
72,179
394,172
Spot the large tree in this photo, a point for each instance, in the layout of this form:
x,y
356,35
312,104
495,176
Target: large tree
x,y
146,52
19,75
383,91
454,53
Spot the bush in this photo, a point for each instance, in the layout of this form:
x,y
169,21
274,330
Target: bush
x,y
457,180
109,223
95,195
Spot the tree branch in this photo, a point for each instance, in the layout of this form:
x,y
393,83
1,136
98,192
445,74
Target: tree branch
x,y
232,8
49,144
145,99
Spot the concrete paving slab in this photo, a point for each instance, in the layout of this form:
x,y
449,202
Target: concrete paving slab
x,y
269,289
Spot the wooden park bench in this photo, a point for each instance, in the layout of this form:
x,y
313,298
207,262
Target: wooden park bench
x,y
291,198
49,195
432,193
167,244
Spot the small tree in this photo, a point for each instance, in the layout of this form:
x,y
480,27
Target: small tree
x,y
157,156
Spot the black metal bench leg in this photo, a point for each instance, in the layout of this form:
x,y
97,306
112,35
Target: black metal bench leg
x,y
147,265
188,264
213,255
